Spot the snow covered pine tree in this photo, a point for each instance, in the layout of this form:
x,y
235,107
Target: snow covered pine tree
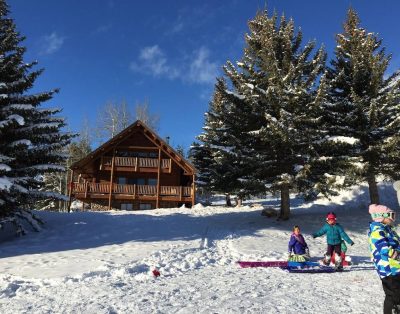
x,y
30,136
362,113
270,109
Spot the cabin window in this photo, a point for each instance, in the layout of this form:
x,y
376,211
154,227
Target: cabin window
x,y
144,206
141,181
121,180
126,206
131,181
152,181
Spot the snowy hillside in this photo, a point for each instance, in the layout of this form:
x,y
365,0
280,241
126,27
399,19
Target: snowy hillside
x,y
102,262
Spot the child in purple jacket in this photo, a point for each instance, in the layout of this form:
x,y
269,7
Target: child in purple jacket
x,y
298,248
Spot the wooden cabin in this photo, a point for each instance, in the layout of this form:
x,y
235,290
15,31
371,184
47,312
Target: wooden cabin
x,y
134,170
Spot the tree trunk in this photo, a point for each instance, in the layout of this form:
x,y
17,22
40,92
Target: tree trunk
x,y
238,201
285,203
373,189
228,200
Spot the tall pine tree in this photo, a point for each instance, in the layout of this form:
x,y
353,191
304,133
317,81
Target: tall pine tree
x,y
269,111
30,136
362,112
278,79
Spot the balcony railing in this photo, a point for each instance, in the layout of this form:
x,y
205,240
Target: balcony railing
x,y
134,162
131,189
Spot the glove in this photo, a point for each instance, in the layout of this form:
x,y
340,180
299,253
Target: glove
x,y
352,243
314,236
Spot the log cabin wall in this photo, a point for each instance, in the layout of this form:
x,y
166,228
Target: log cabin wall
x,y
131,159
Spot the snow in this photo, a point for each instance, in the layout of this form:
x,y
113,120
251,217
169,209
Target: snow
x,y
341,139
235,94
5,167
5,183
101,262
21,142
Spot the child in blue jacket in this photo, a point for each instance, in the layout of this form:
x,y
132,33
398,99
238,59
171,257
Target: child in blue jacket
x,y
298,248
334,235
384,245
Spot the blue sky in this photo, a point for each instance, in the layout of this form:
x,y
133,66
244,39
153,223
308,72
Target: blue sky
x,y
166,52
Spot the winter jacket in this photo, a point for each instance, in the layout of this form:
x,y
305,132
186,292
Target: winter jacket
x,y
297,244
334,234
383,242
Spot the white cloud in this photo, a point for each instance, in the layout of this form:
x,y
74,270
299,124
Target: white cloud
x,y
51,43
103,28
202,70
152,61
177,27
196,69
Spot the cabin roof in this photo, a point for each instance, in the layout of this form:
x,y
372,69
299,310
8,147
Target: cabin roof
x,y
148,132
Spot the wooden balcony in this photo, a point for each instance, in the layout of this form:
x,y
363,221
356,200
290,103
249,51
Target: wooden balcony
x,y
135,164
91,190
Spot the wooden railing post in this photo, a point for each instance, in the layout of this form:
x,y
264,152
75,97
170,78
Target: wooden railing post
x,y
111,180
86,188
158,179
136,164
180,192
193,190
71,185
134,191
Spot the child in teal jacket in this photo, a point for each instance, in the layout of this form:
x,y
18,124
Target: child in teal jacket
x,y
334,235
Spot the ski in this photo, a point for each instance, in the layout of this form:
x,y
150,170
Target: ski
x,y
251,264
327,269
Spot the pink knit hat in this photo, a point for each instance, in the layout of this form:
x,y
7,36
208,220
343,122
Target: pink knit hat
x,y
380,212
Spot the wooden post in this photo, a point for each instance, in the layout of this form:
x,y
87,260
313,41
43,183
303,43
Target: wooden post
x,y
86,188
158,179
180,192
70,190
111,180
136,163
134,191
193,191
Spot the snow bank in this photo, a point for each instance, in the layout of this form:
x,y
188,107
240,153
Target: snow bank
x,y
102,262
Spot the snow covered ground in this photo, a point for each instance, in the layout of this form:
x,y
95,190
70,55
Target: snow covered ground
x,y
92,262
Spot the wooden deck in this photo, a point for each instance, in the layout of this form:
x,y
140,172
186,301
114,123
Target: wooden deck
x,y
135,164
90,190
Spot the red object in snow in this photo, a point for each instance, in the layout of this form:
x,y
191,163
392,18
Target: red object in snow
x,y
343,256
155,272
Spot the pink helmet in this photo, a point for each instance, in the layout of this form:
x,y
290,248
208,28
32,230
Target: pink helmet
x,y
380,212
331,216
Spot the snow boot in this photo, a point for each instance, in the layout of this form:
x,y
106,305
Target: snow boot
x,y
338,262
327,260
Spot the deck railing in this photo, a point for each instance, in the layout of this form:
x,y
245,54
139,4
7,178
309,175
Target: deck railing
x,y
98,187
131,189
135,162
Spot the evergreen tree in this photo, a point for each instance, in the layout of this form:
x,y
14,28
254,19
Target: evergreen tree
x,y
30,136
276,83
362,112
223,165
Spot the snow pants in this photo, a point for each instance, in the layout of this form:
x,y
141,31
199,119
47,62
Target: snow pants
x,y
333,248
391,287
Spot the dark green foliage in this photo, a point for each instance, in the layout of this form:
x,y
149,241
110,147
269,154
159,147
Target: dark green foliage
x,y
30,136
362,108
